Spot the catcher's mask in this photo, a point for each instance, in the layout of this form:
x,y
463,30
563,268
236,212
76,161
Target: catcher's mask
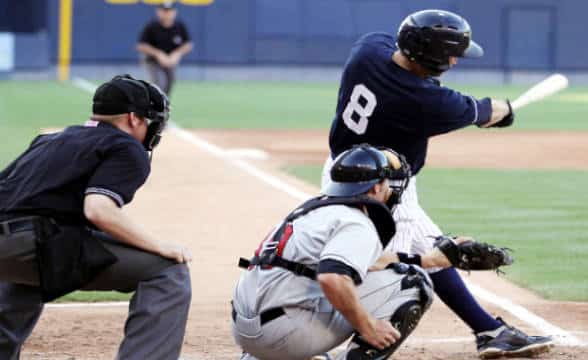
x,y
357,170
125,94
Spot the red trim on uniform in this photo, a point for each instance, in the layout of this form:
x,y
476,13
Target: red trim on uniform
x,y
266,238
284,239
258,250
286,234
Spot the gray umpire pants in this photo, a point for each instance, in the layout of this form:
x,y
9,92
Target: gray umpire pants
x,y
161,76
158,310
305,332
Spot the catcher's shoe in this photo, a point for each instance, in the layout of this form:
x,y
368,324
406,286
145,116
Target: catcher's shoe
x,y
510,342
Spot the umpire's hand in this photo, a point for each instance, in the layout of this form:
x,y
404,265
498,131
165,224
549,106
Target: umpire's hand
x,y
176,252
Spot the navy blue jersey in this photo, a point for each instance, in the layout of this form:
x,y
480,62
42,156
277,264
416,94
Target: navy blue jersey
x,y
52,177
382,104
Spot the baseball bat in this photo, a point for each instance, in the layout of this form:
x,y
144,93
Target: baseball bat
x,y
541,90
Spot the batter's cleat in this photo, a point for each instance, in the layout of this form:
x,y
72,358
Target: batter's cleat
x,y
405,320
509,341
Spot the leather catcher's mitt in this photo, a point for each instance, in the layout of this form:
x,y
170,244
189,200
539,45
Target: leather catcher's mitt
x,y
473,255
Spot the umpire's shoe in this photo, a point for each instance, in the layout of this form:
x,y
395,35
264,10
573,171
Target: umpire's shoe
x,y
511,342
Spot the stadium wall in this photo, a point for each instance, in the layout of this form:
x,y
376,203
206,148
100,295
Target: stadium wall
x,y
516,34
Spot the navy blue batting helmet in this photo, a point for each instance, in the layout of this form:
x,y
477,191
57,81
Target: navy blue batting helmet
x,y
431,37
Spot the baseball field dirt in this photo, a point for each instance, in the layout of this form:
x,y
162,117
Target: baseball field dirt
x,y
222,212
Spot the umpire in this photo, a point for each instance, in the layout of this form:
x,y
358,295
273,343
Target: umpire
x,y
62,227
164,42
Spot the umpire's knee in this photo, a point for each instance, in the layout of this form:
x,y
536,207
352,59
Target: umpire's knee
x,y
186,285
178,278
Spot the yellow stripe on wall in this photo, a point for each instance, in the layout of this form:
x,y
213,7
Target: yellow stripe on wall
x,y
196,2
65,33
122,2
157,2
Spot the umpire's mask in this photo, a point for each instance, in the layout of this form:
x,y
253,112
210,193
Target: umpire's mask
x,y
138,96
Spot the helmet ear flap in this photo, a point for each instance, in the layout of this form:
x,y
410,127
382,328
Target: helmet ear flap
x,y
411,43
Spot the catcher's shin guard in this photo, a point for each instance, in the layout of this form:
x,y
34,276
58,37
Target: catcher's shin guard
x,y
405,320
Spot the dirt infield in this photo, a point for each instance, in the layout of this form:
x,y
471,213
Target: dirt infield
x,y
490,149
200,199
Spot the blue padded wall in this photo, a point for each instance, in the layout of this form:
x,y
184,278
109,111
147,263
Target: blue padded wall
x,y
516,34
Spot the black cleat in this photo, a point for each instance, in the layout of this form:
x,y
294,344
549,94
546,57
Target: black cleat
x,y
509,341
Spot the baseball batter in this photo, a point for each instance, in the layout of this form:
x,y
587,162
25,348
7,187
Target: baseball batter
x,y
389,96
308,288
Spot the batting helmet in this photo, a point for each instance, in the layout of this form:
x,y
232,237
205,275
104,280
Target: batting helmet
x,y
431,37
358,169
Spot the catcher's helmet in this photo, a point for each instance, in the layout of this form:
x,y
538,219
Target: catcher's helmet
x,y
431,37
358,169
124,94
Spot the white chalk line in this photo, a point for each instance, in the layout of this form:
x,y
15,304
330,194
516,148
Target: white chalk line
x,y
214,150
561,337
84,84
248,153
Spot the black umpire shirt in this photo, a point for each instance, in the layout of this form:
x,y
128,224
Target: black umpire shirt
x,y
165,39
52,177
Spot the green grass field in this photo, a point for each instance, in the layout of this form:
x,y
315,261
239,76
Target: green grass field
x,y
541,214
94,296
311,106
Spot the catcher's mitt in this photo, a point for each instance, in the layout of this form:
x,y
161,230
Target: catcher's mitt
x,y
473,255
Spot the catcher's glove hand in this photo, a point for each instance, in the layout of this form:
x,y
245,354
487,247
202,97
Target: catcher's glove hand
x,y
473,255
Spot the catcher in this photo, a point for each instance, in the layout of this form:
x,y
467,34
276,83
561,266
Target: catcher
x,y
321,275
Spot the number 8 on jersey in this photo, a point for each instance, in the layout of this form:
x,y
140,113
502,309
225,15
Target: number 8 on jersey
x,y
363,109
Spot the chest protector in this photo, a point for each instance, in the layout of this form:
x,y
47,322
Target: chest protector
x,y
270,255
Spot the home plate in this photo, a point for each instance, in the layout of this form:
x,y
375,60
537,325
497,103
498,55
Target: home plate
x,y
247,153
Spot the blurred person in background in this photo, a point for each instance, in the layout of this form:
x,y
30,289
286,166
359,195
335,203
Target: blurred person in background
x,y
164,42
